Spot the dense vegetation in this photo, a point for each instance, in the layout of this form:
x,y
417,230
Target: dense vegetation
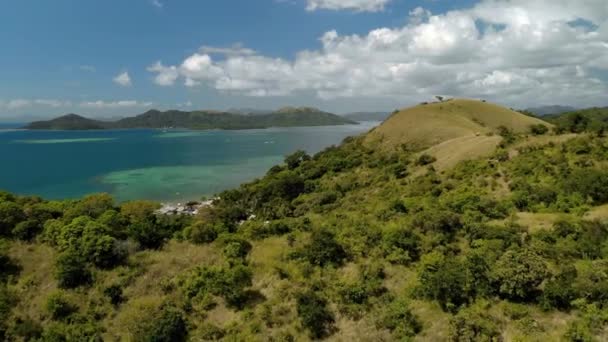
x,y
287,117
356,242
593,120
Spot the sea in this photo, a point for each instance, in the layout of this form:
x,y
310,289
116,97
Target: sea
x,y
160,165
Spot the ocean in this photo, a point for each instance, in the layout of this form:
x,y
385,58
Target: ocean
x,y
168,166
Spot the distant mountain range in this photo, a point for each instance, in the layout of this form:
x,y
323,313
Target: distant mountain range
x,y
285,117
550,110
367,116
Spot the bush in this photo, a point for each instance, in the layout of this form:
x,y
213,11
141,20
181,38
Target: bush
x,y
27,230
10,215
71,270
518,273
27,329
400,320
539,129
230,283
401,246
314,314
201,232
474,324
323,249
590,183
559,292
59,307
425,159
444,279
114,293
167,325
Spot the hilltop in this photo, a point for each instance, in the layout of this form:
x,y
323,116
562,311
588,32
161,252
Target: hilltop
x,y
198,120
386,237
429,124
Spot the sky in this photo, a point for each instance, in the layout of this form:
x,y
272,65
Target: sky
x,y
115,58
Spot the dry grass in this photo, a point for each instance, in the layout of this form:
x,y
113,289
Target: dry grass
x,y
175,258
598,213
36,281
451,152
534,221
431,124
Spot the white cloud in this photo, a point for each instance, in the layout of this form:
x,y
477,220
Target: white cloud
x,y
15,104
356,5
518,52
157,3
166,76
123,79
114,104
234,50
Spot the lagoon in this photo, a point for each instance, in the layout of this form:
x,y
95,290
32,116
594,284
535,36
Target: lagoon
x,y
167,166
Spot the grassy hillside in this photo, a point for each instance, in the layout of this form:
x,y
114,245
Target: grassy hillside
x,y
354,243
430,124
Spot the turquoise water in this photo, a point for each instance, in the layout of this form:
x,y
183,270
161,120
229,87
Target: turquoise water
x,y
150,164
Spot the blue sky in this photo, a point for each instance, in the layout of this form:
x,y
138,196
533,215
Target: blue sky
x,y
67,55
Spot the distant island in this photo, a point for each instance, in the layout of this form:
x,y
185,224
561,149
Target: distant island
x,y
199,120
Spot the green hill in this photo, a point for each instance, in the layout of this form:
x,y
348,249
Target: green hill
x,y
199,120
591,119
361,242
434,123
68,122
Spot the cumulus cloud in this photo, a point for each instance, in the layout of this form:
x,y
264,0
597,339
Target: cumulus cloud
x,y
157,4
356,5
517,51
123,79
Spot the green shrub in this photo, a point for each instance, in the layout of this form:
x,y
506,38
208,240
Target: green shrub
x,y
444,279
399,319
71,270
401,245
518,273
58,306
201,232
10,215
27,230
231,284
323,249
26,329
474,324
314,314
425,159
539,129
166,325
114,293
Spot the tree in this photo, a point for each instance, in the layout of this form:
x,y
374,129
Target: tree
x,y
444,279
296,159
518,273
166,324
201,232
71,270
10,215
314,314
323,249
92,206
